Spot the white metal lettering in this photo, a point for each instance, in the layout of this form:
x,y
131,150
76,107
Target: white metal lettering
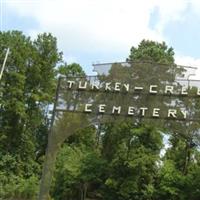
x,y
156,112
116,109
151,89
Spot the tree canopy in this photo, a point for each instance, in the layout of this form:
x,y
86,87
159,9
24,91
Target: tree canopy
x,y
113,159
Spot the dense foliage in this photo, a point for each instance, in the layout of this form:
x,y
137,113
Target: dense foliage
x,y
118,160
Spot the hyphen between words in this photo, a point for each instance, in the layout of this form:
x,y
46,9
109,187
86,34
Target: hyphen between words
x,y
167,90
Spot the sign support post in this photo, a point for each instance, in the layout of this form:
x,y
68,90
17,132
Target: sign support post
x,y
50,156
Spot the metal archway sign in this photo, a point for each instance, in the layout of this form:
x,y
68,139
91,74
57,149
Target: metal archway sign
x,y
141,92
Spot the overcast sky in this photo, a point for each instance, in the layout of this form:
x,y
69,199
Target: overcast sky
x,y
98,31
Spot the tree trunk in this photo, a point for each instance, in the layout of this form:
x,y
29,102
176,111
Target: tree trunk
x,y
85,186
187,157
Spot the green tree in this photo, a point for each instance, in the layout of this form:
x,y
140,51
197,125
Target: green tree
x,y
79,167
133,153
133,149
27,88
151,51
73,69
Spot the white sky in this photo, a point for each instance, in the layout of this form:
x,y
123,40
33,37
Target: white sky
x,y
103,30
